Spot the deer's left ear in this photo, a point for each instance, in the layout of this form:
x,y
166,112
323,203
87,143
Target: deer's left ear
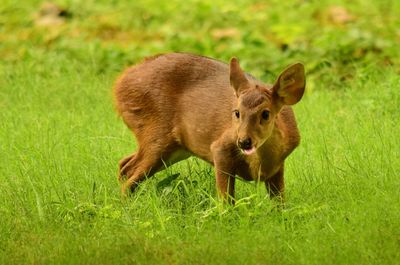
x,y
289,87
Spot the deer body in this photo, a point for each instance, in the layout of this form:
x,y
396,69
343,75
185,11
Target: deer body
x,y
180,105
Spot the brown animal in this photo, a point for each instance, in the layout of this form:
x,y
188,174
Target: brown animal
x,y
180,105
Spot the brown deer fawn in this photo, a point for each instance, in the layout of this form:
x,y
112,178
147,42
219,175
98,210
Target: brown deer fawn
x,y
180,105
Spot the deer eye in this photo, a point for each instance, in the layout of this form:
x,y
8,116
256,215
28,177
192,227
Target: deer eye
x,y
265,114
237,113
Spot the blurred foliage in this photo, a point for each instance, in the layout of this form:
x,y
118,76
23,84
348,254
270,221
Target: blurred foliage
x,y
335,39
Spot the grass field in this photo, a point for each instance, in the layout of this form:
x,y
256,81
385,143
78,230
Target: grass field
x,y
60,139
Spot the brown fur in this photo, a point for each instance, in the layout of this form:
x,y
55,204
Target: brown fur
x,y
180,105
254,98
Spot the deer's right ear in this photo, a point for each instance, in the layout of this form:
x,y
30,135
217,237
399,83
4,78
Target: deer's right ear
x,y
289,87
238,78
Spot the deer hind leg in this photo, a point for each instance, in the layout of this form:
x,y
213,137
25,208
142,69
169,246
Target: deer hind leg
x,y
150,159
124,166
276,185
140,166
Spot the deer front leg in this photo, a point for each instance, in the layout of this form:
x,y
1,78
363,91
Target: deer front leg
x,y
224,172
225,185
276,185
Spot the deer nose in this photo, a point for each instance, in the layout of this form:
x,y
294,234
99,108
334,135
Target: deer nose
x,y
245,143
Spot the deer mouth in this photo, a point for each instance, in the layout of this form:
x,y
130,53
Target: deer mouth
x,y
249,151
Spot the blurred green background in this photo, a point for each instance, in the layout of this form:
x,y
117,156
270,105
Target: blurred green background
x,y
333,38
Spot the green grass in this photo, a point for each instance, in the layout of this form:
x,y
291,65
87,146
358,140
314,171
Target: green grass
x,y
60,139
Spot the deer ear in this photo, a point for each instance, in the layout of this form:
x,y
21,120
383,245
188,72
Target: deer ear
x,y
237,77
290,84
